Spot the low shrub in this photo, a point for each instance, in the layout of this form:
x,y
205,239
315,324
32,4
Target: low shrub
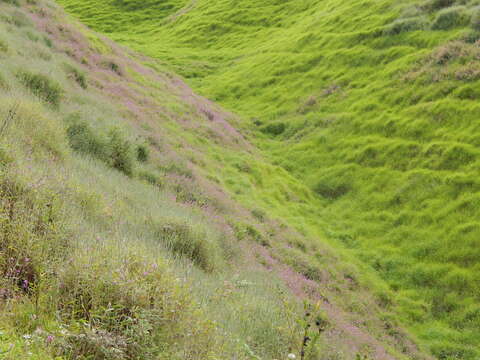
x,y
193,244
143,153
113,149
132,308
83,139
121,154
42,86
450,18
32,238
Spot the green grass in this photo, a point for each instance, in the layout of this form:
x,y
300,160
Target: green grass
x,y
367,111
42,86
96,262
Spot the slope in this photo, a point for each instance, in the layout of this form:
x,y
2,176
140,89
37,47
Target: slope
x,y
118,240
372,104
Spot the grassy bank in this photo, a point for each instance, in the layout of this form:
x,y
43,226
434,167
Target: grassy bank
x,y
106,231
368,108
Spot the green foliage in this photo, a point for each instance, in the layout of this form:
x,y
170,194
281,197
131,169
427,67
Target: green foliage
x,y
42,86
450,18
121,152
434,5
112,148
471,37
259,214
3,46
399,131
143,153
133,306
302,263
132,313
332,191
12,2
475,20
274,129
48,42
40,131
90,265
380,154
83,139
313,324
77,75
191,243
32,36
19,19
113,66
31,238
405,25
178,168
151,177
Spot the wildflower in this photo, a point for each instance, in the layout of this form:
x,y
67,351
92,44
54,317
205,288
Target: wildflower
x,y
292,356
49,339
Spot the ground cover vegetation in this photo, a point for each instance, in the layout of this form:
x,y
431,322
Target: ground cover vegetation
x,y
367,113
103,235
118,239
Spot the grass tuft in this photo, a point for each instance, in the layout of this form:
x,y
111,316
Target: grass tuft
x,y
450,18
42,86
77,75
190,243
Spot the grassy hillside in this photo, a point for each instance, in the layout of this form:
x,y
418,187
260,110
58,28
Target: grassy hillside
x,y
372,105
118,240
106,232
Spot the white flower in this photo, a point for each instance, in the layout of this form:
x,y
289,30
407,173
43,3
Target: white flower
x,y
292,356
